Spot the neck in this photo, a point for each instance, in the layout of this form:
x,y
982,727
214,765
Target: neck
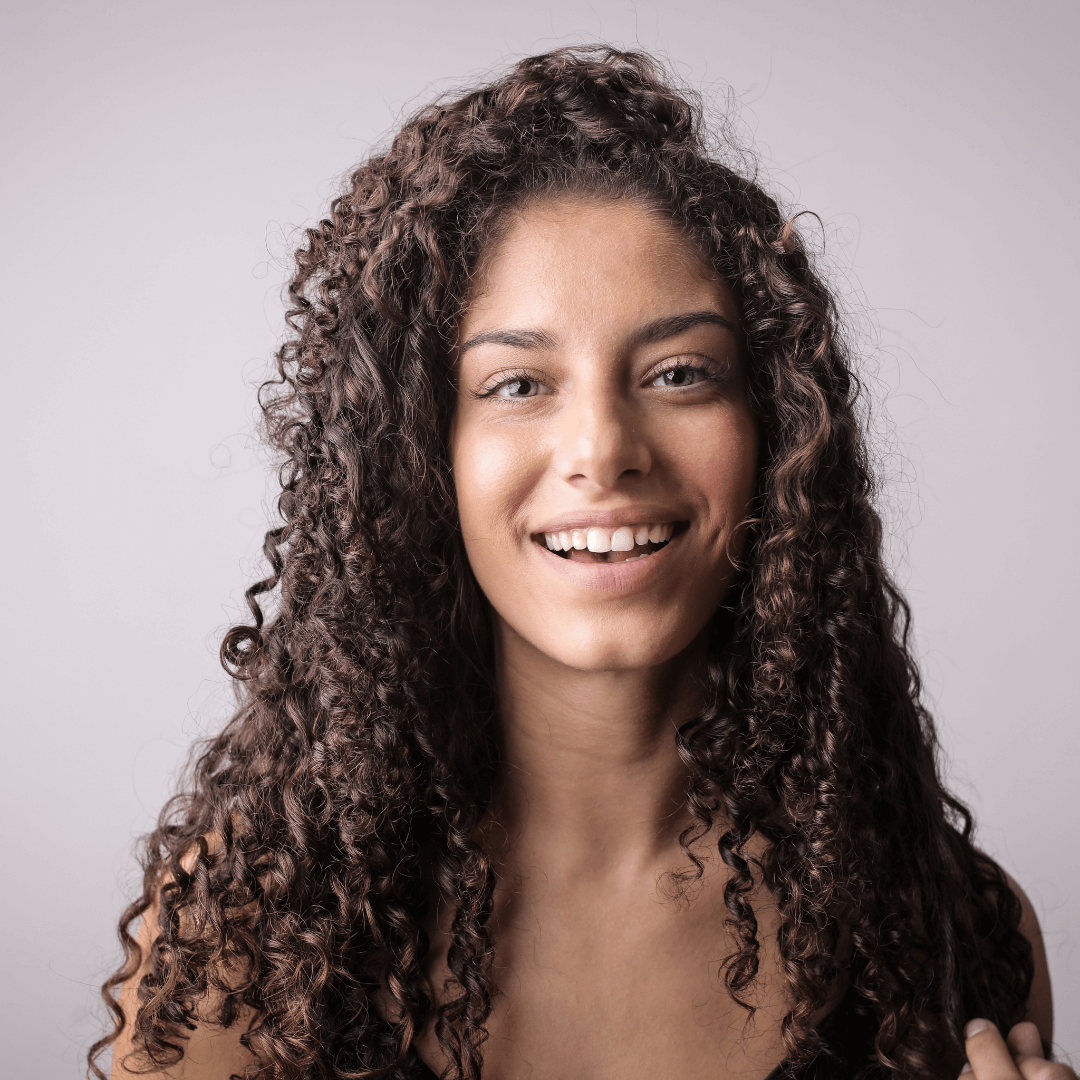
x,y
592,780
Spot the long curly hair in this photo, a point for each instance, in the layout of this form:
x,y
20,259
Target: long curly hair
x,y
298,868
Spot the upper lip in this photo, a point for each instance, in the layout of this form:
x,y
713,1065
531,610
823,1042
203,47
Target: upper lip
x,y
608,519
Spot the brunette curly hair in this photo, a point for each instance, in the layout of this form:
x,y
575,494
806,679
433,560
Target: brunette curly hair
x,y
299,866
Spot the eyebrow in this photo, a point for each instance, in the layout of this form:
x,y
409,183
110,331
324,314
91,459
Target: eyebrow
x,y
673,325
652,332
518,339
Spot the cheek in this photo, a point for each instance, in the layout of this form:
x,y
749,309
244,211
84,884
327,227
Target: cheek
x,y
493,471
716,457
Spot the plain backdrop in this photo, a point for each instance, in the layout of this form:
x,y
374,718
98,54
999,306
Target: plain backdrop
x,y
157,162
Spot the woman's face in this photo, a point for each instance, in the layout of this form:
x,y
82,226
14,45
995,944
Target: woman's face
x,y
603,450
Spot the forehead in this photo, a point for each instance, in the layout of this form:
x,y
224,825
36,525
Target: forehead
x,y
572,261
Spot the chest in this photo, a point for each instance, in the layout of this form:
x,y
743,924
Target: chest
x,y
620,983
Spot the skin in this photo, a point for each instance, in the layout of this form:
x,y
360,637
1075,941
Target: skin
x,y
564,415
594,674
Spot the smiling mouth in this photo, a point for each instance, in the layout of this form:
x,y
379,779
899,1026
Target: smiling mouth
x,y
599,545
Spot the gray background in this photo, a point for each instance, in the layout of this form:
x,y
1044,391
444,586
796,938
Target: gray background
x,y
157,160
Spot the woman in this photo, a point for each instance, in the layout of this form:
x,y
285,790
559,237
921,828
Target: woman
x,y
582,738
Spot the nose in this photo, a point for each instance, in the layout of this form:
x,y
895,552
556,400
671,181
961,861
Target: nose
x,y
601,441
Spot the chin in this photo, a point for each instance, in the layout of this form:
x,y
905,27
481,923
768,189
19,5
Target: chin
x,y
597,649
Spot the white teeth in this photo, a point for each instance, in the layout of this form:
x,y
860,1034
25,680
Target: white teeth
x,y
598,540
624,538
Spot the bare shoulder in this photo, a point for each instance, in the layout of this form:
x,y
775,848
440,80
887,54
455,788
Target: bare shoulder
x,y
1040,1008
211,1052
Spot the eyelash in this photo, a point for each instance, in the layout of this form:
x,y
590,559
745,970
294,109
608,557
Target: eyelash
x,y
699,362
703,364
509,377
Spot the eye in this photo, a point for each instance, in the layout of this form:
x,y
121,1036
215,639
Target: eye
x,y
686,372
518,387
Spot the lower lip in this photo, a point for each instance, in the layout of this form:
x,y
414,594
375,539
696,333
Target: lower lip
x,y
617,579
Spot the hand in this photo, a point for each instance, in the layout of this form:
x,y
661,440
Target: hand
x,y
990,1057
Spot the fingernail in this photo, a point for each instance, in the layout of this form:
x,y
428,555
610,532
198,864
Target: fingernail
x,y
966,1068
974,1027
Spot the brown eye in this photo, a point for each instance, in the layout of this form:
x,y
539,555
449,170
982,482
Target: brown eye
x,y
681,376
521,387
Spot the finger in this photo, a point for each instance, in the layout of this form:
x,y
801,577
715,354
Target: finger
x,y
1038,1068
1024,1041
1027,1050
987,1053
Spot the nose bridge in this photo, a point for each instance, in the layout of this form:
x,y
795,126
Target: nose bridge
x,y
600,439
